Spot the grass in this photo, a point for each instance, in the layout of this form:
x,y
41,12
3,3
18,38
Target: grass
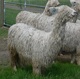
x,y
56,71
3,33
38,2
10,16
65,2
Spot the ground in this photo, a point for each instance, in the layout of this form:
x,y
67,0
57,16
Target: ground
x,y
4,54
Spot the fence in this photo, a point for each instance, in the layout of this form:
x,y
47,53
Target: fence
x,y
13,7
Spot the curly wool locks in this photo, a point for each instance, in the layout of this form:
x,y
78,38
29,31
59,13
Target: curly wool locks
x,y
36,47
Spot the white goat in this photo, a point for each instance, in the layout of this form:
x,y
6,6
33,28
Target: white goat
x,y
45,23
71,43
76,6
24,16
50,3
74,1
42,22
71,40
37,47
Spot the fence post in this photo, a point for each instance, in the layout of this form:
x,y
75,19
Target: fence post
x,y
1,13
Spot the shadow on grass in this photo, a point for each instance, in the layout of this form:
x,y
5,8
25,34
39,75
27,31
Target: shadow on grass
x,y
62,71
58,69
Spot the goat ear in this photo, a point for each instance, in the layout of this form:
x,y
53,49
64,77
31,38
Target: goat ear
x,y
52,10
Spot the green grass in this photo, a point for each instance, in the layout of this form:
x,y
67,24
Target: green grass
x,y
56,71
65,2
10,16
39,2
3,32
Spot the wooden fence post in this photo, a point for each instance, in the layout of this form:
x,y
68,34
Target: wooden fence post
x,y
1,13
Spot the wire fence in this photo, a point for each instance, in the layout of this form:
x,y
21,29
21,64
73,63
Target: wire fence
x,y
13,7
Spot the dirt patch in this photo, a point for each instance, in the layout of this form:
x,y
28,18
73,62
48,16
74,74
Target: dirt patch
x,y
3,44
4,54
28,8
